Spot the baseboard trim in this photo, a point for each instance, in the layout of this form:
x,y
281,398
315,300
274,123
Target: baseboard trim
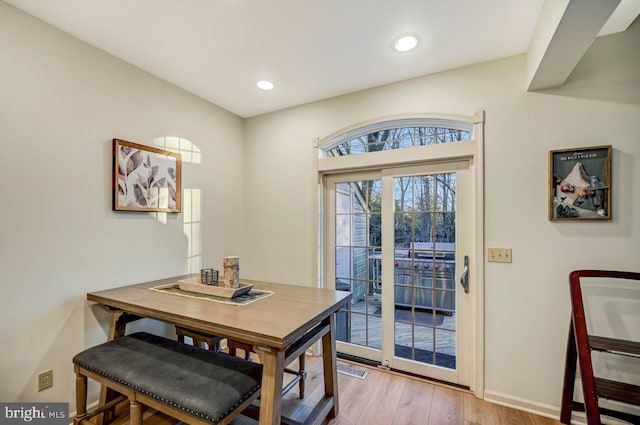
x,y
530,406
546,410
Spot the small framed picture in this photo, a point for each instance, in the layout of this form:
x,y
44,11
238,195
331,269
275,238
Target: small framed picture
x,y
145,178
580,184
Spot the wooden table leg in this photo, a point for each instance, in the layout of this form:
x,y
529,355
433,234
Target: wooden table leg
x,y
116,325
271,395
329,360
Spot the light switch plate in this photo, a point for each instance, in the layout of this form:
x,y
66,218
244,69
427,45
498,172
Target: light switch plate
x,y
500,255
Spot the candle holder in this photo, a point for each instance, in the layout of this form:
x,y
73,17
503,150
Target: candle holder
x,y
209,277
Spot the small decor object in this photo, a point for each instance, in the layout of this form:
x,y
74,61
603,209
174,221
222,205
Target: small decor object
x,y
191,288
145,178
580,184
231,277
193,284
209,277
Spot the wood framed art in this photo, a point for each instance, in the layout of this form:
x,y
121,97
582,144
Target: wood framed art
x,y
146,178
580,184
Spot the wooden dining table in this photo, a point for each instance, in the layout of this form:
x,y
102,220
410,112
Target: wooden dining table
x,y
293,314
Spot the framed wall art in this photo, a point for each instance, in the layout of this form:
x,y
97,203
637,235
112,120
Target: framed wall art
x,y
580,184
145,178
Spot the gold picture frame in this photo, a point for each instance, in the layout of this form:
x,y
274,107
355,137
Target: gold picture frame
x,y
580,183
146,178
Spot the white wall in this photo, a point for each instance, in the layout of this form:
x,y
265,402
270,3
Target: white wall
x,y
61,103
527,302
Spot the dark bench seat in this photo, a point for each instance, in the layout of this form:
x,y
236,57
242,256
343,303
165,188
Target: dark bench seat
x,y
193,385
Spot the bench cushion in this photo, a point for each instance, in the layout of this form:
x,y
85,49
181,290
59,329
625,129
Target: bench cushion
x,y
201,383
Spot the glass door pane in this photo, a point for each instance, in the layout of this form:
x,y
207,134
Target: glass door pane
x,y
358,261
424,269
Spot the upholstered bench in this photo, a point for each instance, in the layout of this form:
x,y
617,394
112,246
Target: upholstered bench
x,y
190,384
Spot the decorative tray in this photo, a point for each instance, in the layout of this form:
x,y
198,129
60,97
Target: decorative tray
x,y
193,284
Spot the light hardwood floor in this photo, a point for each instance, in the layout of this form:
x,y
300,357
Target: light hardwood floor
x,y
386,398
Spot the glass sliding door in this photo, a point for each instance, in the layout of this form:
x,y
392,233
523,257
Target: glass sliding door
x,y
395,238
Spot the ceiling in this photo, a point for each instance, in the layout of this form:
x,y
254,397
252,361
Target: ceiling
x,y
310,49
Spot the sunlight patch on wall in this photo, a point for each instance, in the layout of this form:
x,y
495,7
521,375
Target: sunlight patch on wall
x,y
190,152
161,217
191,200
192,213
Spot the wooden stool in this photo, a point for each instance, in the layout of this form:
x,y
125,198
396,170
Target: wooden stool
x,y
200,339
212,342
579,346
213,387
234,345
300,374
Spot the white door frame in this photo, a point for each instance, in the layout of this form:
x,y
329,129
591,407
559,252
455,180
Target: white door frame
x,y
473,150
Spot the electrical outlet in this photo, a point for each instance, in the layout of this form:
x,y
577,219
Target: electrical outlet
x,y
45,380
500,255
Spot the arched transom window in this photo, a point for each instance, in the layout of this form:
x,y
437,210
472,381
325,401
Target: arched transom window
x,y
398,134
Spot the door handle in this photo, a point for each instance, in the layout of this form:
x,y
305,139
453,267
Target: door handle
x,y
464,279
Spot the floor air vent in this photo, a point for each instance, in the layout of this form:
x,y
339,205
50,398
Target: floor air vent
x,y
352,371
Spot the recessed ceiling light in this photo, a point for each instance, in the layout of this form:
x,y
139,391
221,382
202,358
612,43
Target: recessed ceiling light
x,y
406,43
264,85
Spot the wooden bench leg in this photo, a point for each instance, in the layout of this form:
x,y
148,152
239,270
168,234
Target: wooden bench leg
x,y
117,327
81,395
135,413
81,401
